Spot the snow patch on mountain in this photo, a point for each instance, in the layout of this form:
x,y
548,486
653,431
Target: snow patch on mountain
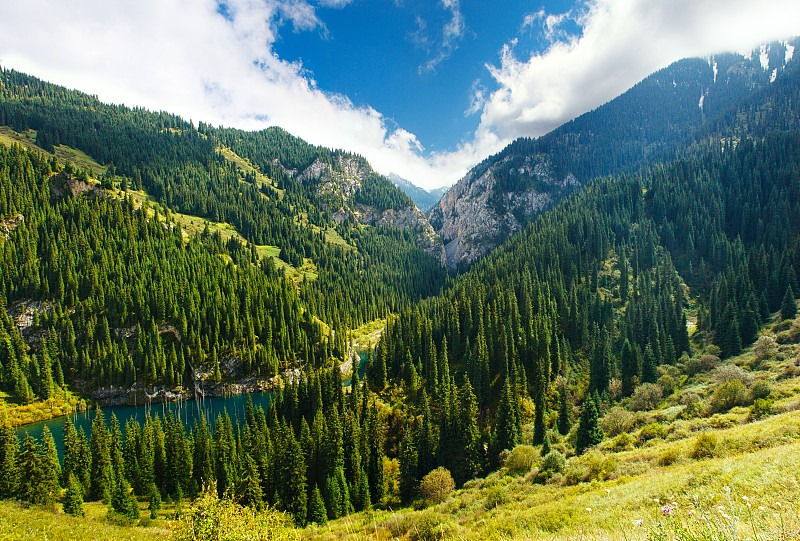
x,y
764,57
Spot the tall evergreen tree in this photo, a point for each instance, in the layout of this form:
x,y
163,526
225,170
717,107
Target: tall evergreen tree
x,y
73,498
51,469
102,476
589,431
788,306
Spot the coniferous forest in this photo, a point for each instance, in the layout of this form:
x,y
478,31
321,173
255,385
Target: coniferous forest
x,y
634,275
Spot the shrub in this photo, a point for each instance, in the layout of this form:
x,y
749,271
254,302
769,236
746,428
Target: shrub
x,y
731,372
647,396
552,464
668,457
693,409
211,518
727,395
765,346
652,431
705,446
702,363
760,408
521,459
667,384
600,467
621,442
760,389
436,485
617,421
495,496
431,527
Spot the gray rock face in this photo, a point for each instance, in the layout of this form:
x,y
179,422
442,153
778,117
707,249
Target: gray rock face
x,y
336,186
477,215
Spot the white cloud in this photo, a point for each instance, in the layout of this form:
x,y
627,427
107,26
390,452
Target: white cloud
x,y
183,56
622,42
452,33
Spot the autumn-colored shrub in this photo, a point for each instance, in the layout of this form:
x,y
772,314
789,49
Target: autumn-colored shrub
x,y
436,485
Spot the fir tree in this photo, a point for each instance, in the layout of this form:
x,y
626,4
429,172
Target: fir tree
x,y
589,431
51,469
102,479
788,306
9,449
316,507
29,466
73,498
123,501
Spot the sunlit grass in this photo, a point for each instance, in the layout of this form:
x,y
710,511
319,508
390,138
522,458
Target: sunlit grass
x,y
64,154
36,523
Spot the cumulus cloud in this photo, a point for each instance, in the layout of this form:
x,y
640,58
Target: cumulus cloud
x,y
214,61
622,42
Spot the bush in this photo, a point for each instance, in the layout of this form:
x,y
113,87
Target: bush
x,y
647,396
760,408
705,446
760,389
617,421
622,442
765,346
702,363
652,431
436,485
521,459
552,464
668,457
730,372
727,395
495,496
431,527
599,466
211,518
667,384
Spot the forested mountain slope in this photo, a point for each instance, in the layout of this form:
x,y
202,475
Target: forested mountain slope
x,y
654,120
125,292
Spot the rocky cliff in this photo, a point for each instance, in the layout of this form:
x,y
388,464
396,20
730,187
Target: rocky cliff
x,y
336,186
479,213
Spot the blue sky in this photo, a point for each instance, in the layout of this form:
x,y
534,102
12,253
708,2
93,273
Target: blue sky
x,y
400,59
422,88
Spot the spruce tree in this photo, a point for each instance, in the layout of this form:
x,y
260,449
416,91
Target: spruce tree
x,y
9,449
102,479
788,306
123,500
408,464
73,498
29,466
316,507
506,427
250,485
154,502
589,431
51,469
374,462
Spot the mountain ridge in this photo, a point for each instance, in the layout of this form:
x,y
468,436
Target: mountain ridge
x,y
653,120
